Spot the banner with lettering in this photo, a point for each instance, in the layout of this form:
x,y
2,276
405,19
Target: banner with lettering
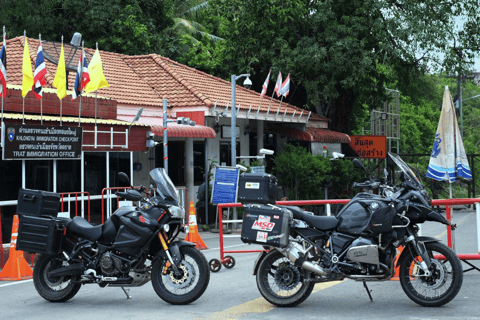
x,y
27,142
374,147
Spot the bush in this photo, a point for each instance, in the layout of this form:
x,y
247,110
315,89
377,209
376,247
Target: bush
x,y
304,176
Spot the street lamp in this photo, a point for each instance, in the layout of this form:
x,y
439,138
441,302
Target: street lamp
x,y
247,83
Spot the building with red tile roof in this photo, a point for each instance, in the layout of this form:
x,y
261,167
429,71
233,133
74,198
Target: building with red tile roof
x,y
144,81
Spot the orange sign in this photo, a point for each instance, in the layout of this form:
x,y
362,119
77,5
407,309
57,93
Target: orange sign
x,y
369,146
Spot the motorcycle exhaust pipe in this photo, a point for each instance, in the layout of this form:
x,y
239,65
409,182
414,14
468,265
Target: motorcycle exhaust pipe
x,y
295,253
71,270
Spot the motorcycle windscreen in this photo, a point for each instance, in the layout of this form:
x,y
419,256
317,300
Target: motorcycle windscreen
x,y
165,187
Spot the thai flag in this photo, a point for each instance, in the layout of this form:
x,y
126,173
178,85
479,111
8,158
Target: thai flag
x,y
82,77
85,74
285,87
265,84
278,85
3,68
40,72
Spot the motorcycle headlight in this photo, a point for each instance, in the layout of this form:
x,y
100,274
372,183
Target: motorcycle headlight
x,y
177,212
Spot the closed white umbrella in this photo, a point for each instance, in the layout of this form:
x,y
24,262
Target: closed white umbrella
x,y
448,159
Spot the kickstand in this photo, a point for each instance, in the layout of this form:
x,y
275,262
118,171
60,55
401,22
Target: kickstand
x,y
368,291
129,296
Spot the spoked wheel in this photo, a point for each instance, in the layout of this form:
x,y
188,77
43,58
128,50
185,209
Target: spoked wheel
x,y
230,262
215,265
444,281
54,289
188,284
281,282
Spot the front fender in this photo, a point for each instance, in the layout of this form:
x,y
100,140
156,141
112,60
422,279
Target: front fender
x,y
174,249
408,248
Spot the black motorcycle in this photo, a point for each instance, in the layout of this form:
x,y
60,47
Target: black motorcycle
x,y
360,243
135,245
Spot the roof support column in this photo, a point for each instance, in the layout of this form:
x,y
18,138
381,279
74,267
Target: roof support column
x,y
189,170
259,135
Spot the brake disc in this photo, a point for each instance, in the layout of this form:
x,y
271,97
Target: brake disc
x,y
437,278
186,277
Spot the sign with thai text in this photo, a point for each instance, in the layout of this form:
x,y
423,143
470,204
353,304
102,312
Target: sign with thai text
x,y
27,142
225,186
374,147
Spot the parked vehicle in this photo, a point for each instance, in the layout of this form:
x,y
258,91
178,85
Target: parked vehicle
x,y
134,246
360,243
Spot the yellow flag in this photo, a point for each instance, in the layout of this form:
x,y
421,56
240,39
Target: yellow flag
x,y
60,80
97,79
26,71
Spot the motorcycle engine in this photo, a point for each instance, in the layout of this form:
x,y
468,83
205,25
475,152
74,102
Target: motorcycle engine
x,y
363,251
112,265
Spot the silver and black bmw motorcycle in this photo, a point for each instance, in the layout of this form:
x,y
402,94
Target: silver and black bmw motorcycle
x,y
360,243
134,246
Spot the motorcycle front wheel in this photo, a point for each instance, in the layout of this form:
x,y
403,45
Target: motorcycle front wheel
x,y
188,284
441,286
281,282
51,288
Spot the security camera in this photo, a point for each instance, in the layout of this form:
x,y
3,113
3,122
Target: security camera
x,y
242,168
337,155
180,120
267,152
247,83
150,135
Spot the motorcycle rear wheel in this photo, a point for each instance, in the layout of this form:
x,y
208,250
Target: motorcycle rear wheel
x,y
54,289
439,288
187,286
281,282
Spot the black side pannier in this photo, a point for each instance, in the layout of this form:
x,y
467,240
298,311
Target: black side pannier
x,y
266,225
382,219
257,188
40,234
38,203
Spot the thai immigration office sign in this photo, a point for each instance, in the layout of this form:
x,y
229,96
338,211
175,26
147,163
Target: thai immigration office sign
x,y
26,142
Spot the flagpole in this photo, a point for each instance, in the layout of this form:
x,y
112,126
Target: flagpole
x,y
41,97
281,101
5,71
95,94
61,105
81,85
23,112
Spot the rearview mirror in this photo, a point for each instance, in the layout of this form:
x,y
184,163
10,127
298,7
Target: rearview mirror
x,y
123,180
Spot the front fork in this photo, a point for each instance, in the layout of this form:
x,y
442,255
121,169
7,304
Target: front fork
x,y
421,252
170,263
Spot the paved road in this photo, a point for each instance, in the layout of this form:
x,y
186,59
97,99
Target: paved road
x,y
233,294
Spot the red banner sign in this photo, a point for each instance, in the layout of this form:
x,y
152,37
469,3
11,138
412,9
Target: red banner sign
x,y
374,147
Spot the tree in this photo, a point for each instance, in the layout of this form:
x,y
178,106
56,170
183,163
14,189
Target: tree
x,y
123,26
333,48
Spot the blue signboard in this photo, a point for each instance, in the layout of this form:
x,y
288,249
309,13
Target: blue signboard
x,y
225,185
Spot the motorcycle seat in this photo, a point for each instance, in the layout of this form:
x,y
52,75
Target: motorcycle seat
x,y
319,222
82,227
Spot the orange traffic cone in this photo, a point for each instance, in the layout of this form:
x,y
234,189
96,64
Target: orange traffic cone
x,y
17,267
193,235
396,277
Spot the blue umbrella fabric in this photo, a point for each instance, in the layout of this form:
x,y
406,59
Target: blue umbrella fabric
x,y
448,159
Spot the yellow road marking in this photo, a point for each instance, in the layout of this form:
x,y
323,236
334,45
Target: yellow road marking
x,y
259,305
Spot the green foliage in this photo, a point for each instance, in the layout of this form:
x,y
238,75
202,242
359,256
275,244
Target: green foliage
x,y
301,173
333,48
123,26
